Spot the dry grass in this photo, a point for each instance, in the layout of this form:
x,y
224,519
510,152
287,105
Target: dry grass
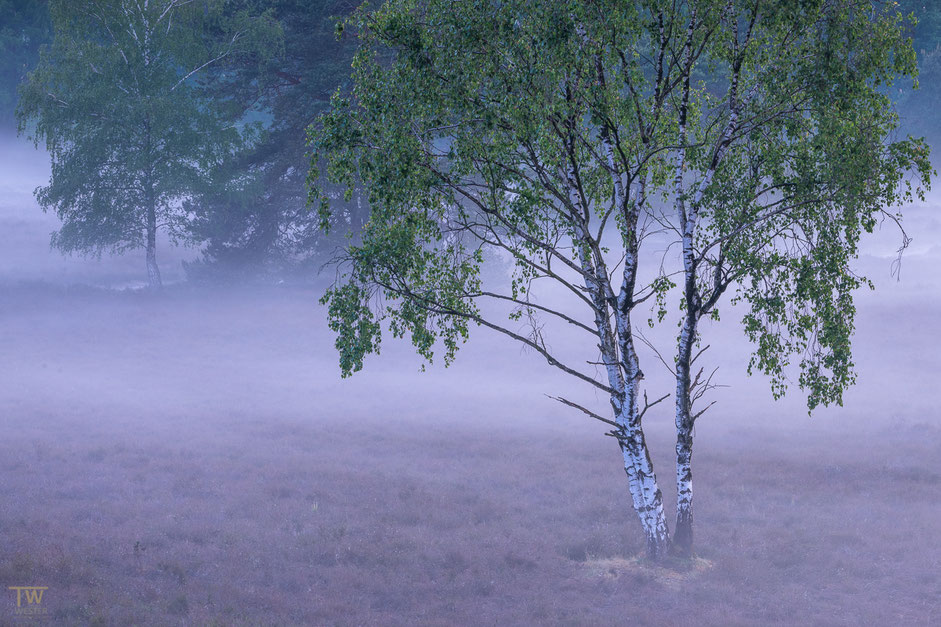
x,y
672,573
188,461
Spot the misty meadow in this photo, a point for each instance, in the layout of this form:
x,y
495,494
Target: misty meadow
x,y
431,312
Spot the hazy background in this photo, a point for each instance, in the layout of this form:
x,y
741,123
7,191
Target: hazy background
x,y
193,456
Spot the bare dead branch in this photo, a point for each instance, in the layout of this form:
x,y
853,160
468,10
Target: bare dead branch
x,y
703,350
584,410
703,410
649,405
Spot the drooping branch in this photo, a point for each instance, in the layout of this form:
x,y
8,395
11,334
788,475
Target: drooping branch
x,y
441,309
532,305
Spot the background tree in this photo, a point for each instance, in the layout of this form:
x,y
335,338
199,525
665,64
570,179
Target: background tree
x,y
24,27
130,131
550,132
919,108
256,218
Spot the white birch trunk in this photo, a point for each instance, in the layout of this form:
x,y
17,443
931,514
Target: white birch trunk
x,y
642,481
688,215
645,491
637,462
683,531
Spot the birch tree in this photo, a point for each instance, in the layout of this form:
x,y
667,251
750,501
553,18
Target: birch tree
x,y
561,136
116,101
777,177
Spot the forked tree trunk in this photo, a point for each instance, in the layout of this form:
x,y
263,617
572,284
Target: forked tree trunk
x,y
645,492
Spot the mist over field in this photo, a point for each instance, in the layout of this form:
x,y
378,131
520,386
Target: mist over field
x,y
193,457
605,213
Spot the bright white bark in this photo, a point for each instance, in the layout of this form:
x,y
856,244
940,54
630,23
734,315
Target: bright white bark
x,y
642,481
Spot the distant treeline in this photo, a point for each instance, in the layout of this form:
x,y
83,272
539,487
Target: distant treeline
x,y
252,215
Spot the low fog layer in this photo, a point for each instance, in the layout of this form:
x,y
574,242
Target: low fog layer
x,y
27,255
195,455
896,315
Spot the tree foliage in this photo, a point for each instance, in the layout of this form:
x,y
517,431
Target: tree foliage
x,y
799,161
117,101
462,114
918,108
776,177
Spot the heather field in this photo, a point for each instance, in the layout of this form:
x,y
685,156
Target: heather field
x,y
193,458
